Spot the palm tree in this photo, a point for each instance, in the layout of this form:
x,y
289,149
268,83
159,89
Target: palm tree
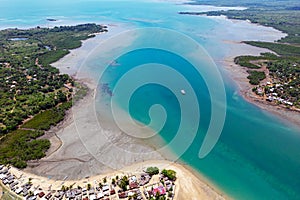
x,y
89,186
63,188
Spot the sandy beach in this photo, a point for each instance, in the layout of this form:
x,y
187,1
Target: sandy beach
x,y
188,185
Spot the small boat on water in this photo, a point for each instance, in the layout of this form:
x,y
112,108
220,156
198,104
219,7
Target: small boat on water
x,y
51,20
182,92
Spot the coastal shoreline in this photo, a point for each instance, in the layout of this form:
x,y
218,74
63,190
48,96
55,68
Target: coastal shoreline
x,y
67,122
69,64
188,185
239,75
68,145
57,136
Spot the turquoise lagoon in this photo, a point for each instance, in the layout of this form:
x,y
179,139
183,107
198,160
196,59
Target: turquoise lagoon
x,y
257,156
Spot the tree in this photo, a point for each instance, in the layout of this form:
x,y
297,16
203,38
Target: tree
x,y
161,198
157,195
134,196
63,188
30,193
123,183
89,186
171,174
152,171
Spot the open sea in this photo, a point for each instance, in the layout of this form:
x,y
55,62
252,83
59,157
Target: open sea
x,y
257,155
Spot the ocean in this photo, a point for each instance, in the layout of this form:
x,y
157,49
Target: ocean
x,y
257,155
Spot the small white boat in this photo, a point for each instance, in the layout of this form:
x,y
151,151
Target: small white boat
x,y
182,92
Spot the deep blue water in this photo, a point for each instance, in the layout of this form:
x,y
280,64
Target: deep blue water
x,y
257,156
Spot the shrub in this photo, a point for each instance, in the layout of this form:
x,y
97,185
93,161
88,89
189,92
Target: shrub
x,y
171,174
152,171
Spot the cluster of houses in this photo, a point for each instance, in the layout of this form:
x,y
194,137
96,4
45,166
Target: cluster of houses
x,y
139,187
10,81
12,183
271,93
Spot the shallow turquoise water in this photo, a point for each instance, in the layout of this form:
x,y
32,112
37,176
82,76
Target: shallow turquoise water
x,y
257,156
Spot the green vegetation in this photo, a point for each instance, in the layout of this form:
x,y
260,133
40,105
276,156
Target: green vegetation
x,y
284,76
171,174
283,85
152,171
255,62
48,118
123,183
52,56
28,84
19,146
255,77
157,197
282,15
89,186
31,88
280,49
245,61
